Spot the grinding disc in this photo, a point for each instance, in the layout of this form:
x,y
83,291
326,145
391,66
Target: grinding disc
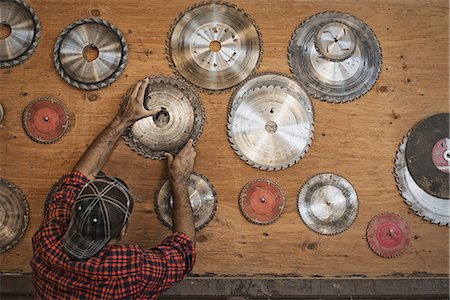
x,y
328,204
214,45
262,201
335,56
90,54
14,215
20,31
45,120
202,196
388,235
427,150
181,118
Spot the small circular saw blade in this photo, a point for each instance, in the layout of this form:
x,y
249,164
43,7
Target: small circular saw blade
x,y
202,195
270,127
214,45
335,56
90,54
328,203
182,118
262,201
45,120
388,235
20,32
2,112
14,215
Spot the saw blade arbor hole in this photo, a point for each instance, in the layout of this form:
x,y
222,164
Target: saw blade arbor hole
x,y
161,118
5,30
215,46
90,53
271,127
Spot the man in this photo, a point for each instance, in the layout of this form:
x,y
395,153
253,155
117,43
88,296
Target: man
x,y
75,251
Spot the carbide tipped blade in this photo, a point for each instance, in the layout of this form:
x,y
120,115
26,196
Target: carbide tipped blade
x,y
214,45
202,195
328,203
90,54
335,56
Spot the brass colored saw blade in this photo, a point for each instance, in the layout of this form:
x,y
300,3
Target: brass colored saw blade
x,y
202,195
214,45
182,118
14,215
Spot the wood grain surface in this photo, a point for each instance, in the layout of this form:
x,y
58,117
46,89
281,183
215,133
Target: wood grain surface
x,y
357,140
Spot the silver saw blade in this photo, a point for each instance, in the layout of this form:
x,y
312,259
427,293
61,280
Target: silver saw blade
x,y
90,54
431,208
182,118
202,196
14,215
20,32
214,45
328,203
335,56
270,127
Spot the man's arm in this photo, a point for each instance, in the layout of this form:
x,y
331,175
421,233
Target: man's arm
x,y
180,169
131,109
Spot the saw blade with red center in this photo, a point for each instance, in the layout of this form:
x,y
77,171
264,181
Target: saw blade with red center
x,y
45,120
388,235
262,201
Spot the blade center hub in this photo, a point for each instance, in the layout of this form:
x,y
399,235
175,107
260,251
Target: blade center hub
x,y
161,118
5,30
271,127
90,53
215,46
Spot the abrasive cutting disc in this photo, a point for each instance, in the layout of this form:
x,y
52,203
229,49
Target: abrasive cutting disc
x,y
181,118
270,122
45,120
388,235
335,56
90,54
262,201
214,45
14,214
328,203
20,31
431,208
428,155
202,195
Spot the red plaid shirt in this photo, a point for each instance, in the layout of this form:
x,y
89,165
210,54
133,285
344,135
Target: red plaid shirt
x,y
116,272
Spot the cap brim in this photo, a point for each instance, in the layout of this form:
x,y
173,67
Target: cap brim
x,y
80,248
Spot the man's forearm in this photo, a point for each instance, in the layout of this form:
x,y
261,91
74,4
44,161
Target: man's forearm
x,y
95,157
183,220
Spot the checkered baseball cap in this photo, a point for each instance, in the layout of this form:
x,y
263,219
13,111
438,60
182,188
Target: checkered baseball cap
x,y
102,208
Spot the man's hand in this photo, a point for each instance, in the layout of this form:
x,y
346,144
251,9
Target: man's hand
x,y
180,167
132,106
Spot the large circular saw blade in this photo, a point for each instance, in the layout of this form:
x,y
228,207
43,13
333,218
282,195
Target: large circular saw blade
x,y
20,31
202,195
335,56
182,118
262,201
14,215
45,120
431,208
90,54
388,235
214,45
328,203
270,122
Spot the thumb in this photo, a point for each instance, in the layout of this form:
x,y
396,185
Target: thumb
x,y
169,158
154,111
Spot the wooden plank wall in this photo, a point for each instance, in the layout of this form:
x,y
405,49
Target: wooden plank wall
x,y
357,140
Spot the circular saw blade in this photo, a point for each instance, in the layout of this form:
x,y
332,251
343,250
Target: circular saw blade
x,y
270,127
328,203
388,235
335,56
45,120
2,112
215,46
90,54
431,208
202,195
20,31
430,133
14,215
262,201
182,118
